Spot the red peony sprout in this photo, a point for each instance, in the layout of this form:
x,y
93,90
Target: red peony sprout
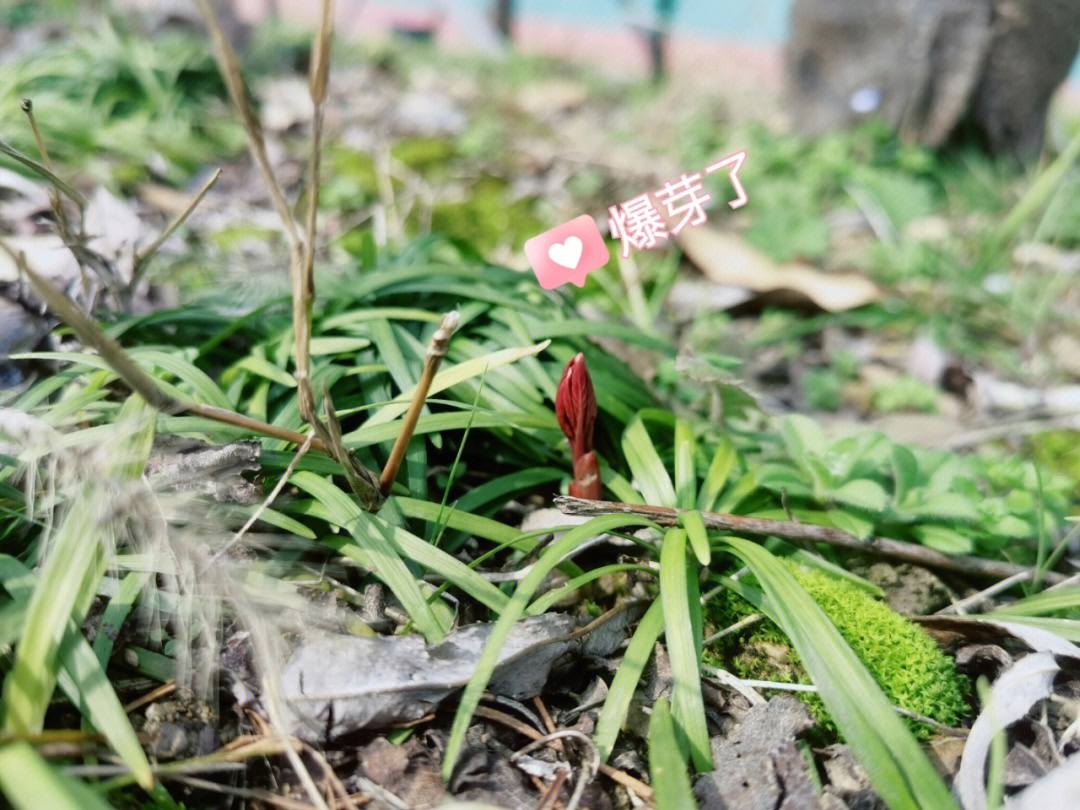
x,y
575,408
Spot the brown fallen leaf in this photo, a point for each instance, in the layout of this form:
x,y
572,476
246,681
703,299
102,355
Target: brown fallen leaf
x,y
727,259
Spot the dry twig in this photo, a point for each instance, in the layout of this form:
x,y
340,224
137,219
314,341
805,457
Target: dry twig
x,y
614,774
806,532
234,83
964,605
435,353
154,694
261,795
138,380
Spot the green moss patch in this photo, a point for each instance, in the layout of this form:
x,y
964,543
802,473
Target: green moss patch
x,y
905,661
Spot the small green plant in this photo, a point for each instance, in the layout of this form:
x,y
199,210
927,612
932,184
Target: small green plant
x,y
904,661
905,393
821,389
868,483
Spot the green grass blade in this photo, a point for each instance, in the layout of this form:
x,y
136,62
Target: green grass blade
x,y
83,680
552,597
374,551
454,375
685,477
30,783
116,613
81,675
688,707
627,677
893,760
1064,598
201,384
457,519
423,553
617,484
667,767
439,562
439,422
261,367
499,490
695,532
1066,628
649,473
470,698
591,328
30,683
719,472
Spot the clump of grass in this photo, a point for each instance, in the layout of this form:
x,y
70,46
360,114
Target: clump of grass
x,y
111,92
905,662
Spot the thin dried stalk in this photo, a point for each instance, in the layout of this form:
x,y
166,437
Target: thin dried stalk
x,y
234,83
33,165
92,335
71,238
155,694
27,106
304,277
138,380
266,501
612,773
235,752
362,481
301,250
806,532
143,255
256,794
435,353
976,599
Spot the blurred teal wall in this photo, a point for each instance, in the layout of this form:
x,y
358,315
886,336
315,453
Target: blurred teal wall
x,y
745,20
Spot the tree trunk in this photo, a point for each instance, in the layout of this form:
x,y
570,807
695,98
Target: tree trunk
x,y
504,17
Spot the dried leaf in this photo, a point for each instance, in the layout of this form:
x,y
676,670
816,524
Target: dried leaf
x,y
949,629
727,259
336,685
1058,788
1013,694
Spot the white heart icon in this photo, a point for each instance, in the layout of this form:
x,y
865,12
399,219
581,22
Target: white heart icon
x,y
566,254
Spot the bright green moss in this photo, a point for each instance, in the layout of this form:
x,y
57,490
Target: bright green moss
x,y
904,660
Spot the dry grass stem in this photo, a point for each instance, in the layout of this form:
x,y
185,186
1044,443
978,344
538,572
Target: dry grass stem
x,y
138,380
155,694
27,106
435,353
280,485
966,604
301,250
303,277
234,83
362,481
92,335
33,165
614,774
255,794
742,624
148,251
